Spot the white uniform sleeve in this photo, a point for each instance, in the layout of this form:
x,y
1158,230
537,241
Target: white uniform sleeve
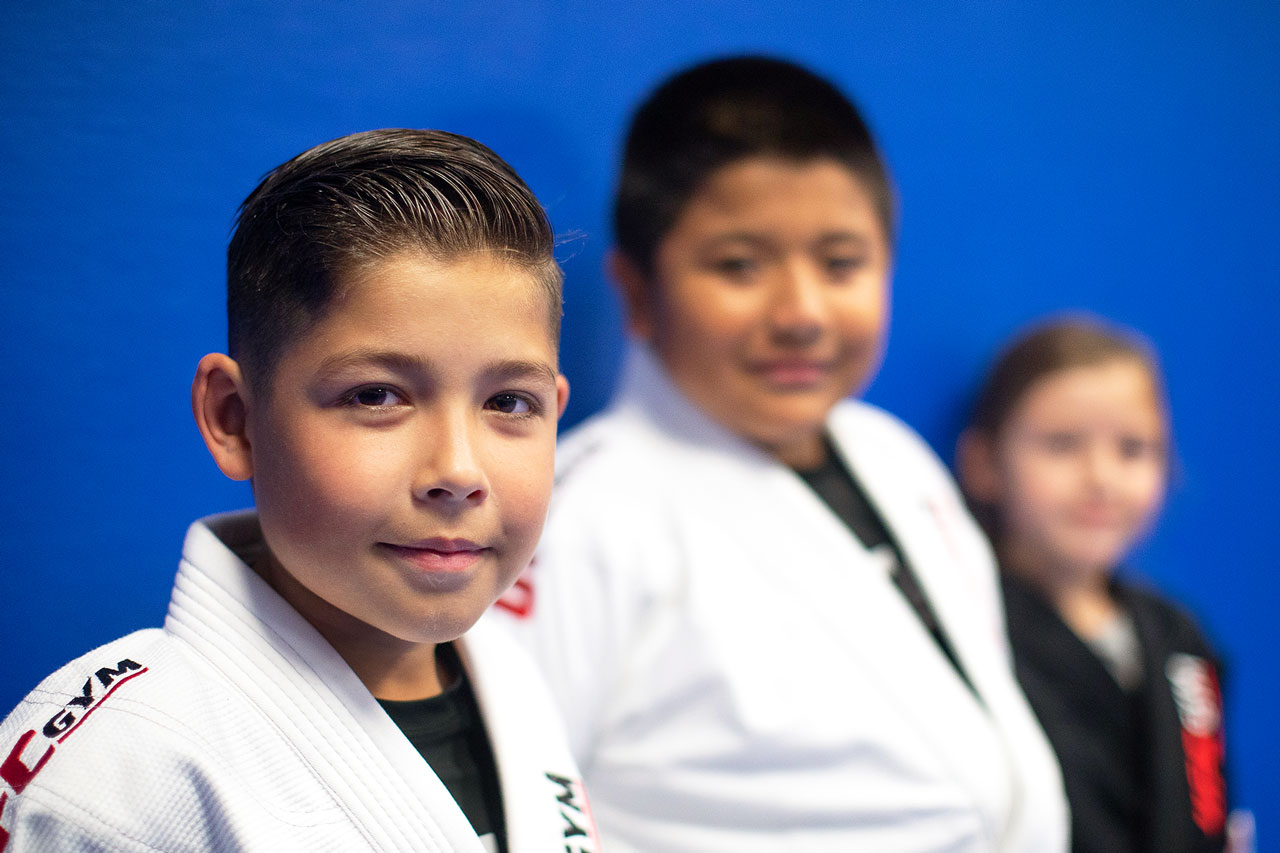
x,y
67,827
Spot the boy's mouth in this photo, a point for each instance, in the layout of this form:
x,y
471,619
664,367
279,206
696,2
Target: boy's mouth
x,y
439,554
792,372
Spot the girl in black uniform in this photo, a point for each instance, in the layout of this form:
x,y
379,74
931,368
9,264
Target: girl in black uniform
x,y
1066,463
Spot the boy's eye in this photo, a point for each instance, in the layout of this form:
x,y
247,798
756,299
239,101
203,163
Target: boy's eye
x,y
511,404
376,396
734,266
1061,442
1137,448
840,267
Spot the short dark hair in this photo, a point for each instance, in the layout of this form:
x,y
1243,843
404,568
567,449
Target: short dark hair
x,y
723,111
362,198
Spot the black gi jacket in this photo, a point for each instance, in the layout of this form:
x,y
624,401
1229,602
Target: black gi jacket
x,y
1144,771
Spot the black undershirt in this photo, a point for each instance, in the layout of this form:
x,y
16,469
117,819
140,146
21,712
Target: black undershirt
x,y
449,733
835,484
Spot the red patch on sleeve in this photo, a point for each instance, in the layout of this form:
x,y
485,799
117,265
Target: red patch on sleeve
x,y
1199,699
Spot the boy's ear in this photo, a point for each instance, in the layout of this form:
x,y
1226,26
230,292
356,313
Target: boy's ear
x,y
976,466
562,394
219,402
636,293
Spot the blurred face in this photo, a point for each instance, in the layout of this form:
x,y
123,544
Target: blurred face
x,y
402,460
1082,466
769,298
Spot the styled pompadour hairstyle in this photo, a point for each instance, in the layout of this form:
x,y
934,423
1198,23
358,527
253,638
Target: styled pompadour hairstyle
x,y
362,198
724,111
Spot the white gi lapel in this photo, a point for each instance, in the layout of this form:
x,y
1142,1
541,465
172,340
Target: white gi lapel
x,y
233,619
863,608
942,705
922,526
544,802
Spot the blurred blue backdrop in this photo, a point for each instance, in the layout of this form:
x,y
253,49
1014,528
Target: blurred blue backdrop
x,y
1115,157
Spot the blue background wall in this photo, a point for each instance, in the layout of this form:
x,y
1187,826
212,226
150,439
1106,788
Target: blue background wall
x,y
1061,154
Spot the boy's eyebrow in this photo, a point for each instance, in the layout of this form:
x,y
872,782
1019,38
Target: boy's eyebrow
x,y
513,369
498,371
366,356
843,237
764,238
738,237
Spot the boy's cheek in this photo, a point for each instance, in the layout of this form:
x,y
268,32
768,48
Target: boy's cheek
x,y
527,492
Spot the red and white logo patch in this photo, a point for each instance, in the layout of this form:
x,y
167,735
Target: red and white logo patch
x,y
1198,696
31,752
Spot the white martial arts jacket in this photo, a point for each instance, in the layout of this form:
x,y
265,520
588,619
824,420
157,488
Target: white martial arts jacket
x,y
739,674
238,727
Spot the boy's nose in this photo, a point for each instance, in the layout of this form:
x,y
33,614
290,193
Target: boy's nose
x,y
451,472
798,310
1101,466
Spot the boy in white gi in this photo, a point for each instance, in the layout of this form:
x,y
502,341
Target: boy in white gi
x,y
763,608
392,393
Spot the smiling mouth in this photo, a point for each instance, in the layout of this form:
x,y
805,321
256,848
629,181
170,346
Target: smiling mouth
x,y
439,556
1098,521
790,373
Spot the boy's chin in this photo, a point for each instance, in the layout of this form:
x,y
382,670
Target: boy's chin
x,y
450,622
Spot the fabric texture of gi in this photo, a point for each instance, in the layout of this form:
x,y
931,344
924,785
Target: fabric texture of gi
x,y
738,673
238,727
1143,771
